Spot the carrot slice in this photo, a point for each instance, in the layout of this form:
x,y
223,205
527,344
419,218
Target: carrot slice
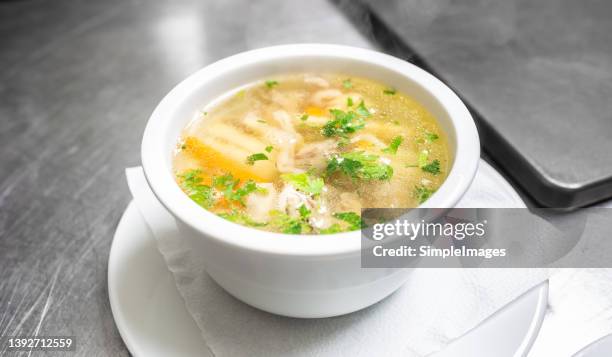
x,y
216,163
315,111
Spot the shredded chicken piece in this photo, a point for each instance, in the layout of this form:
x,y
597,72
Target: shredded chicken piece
x,y
286,100
318,81
284,139
321,218
285,161
315,154
252,120
284,120
322,97
290,200
258,205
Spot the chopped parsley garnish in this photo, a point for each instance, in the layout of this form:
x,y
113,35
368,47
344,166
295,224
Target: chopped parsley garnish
x,y
191,183
334,228
396,122
349,102
422,193
431,137
343,123
204,195
433,167
271,84
269,148
304,212
304,117
389,91
262,121
222,182
347,83
250,160
229,187
305,182
239,194
287,224
352,218
423,156
342,142
359,165
394,145
362,110
241,218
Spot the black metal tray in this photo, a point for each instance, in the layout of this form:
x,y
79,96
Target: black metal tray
x,y
537,77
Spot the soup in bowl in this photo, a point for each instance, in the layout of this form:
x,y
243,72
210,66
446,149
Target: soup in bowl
x,y
303,153
266,159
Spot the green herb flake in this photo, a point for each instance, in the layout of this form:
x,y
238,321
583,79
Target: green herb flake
x,y
287,224
362,110
431,137
359,165
422,193
241,218
229,187
433,167
225,181
423,156
342,142
239,194
250,160
347,83
352,218
389,91
269,148
304,117
305,182
342,124
304,212
334,228
191,183
349,102
271,84
262,121
394,145
396,122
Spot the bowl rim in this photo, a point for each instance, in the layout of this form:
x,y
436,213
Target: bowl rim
x,y
207,224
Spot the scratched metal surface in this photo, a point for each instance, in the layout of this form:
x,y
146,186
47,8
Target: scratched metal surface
x,y
78,80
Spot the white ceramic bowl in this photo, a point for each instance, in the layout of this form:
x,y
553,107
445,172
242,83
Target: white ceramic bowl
x,y
292,275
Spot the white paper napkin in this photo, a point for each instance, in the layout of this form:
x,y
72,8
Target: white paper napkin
x,y
434,307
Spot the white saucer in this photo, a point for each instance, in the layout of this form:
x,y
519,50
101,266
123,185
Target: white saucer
x,y
153,321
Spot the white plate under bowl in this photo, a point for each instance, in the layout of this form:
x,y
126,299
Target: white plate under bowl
x,y
153,321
